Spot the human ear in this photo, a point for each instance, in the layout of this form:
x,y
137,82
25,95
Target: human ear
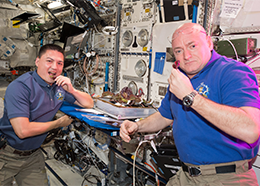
x,y
210,42
37,61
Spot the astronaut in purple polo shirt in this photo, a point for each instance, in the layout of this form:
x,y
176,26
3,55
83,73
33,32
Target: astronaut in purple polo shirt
x,y
213,105
31,101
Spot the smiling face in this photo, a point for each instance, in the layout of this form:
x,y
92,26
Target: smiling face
x,y
50,65
192,47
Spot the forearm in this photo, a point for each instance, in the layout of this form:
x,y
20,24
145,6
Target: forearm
x,y
236,122
23,128
83,99
153,123
37,128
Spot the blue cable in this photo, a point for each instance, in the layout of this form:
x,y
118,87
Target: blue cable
x,y
194,15
98,5
106,77
74,16
79,59
150,59
41,43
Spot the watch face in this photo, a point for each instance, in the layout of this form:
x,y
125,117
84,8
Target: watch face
x,y
187,101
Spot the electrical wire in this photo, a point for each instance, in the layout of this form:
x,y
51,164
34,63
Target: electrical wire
x,y
88,74
87,59
100,74
92,158
84,35
87,179
150,167
234,48
256,166
137,180
135,154
155,172
96,28
141,176
79,64
87,152
95,67
99,5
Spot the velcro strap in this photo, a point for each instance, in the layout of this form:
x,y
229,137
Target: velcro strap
x,y
226,169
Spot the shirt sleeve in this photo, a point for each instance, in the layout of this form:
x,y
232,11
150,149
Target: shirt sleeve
x,y
240,87
69,98
17,102
165,109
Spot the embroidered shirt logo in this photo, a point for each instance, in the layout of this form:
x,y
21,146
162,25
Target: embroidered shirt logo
x,y
60,95
203,90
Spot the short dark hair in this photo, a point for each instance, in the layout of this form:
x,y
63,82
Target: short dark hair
x,y
46,47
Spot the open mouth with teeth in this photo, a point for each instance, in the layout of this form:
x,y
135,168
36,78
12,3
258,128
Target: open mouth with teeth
x,y
52,75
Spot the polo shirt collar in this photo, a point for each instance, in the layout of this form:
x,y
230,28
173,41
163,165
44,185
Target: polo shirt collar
x,y
40,81
214,56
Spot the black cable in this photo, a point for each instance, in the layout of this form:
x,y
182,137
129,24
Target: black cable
x,y
66,151
256,166
59,157
87,179
141,175
137,178
51,135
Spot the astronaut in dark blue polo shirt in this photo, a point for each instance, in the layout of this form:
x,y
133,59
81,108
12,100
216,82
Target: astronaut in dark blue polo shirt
x,y
31,101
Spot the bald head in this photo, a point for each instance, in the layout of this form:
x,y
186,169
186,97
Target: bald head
x,y
188,28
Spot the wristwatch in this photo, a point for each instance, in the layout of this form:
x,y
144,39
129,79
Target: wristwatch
x,y
188,100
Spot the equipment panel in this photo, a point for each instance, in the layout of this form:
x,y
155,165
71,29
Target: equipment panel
x,y
135,38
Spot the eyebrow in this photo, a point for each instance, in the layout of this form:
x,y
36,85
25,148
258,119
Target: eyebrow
x,y
189,43
54,60
177,48
50,58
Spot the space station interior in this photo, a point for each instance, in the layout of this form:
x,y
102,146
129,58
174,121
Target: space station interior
x,y
119,51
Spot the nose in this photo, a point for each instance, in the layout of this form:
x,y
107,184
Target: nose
x,y
186,54
54,65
